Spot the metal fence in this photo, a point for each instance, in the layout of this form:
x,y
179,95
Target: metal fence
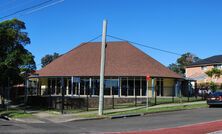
x,y
89,102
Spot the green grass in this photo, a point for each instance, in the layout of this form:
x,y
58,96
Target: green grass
x,y
173,100
159,101
16,113
145,111
156,110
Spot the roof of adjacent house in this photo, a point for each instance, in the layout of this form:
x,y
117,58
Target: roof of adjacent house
x,y
122,59
217,59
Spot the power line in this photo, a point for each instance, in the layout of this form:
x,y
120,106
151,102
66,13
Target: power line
x,y
25,9
93,39
14,5
166,51
46,6
97,37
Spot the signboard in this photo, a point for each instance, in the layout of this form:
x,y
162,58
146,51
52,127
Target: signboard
x,y
148,78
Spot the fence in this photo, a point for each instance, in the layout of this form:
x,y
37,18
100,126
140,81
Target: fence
x,y
89,102
84,103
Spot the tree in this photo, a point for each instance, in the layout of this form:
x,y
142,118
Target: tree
x,y
15,60
214,73
49,58
185,60
213,86
174,67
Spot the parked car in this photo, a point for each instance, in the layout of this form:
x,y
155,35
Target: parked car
x,y
215,99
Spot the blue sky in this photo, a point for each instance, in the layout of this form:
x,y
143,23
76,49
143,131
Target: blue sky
x,y
175,25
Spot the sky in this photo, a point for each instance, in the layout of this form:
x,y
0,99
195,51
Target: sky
x,y
175,25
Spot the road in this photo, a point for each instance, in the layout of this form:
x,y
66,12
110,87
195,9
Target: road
x,y
142,123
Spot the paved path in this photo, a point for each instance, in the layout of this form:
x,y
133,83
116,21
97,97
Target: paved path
x,y
58,118
143,123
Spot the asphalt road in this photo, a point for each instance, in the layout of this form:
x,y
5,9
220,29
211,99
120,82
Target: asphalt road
x,y
153,121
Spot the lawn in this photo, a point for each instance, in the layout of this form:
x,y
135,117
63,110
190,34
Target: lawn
x,y
159,101
15,113
173,100
156,110
144,110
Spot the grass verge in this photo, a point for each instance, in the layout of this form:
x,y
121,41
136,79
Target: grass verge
x,y
157,110
15,113
146,111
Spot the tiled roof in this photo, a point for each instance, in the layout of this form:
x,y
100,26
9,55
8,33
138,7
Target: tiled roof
x,y
122,59
208,61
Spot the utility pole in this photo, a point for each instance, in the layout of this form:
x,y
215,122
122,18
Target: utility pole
x,y
63,95
102,68
147,91
26,93
147,94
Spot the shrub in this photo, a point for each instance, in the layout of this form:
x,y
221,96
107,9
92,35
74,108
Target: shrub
x,y
213,86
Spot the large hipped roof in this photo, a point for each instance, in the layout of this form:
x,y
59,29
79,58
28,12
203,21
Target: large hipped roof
x,y
217,59
122,59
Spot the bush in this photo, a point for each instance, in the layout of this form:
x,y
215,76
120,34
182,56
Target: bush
x,y
213,86
203,85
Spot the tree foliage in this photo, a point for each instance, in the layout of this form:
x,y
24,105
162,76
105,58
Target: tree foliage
x,y
15,59
213,86
175,67
183,61
49,58
214,73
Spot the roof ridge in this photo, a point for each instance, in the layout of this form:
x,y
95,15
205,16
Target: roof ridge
x,y
82,44
84,61
152,58
207,61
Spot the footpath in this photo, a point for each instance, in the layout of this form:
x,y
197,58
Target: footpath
x,y
56,117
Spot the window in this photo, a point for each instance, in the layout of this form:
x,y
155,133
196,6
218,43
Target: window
x,y
219,66
58,86
69,85
107,87
137,86
130,87
111,87
75,88
124,86
144,82
76,84
84,86
95,86
114,86
204,68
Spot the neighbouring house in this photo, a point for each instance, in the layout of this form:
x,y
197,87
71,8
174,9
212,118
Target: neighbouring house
x,y
126,68
197,71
